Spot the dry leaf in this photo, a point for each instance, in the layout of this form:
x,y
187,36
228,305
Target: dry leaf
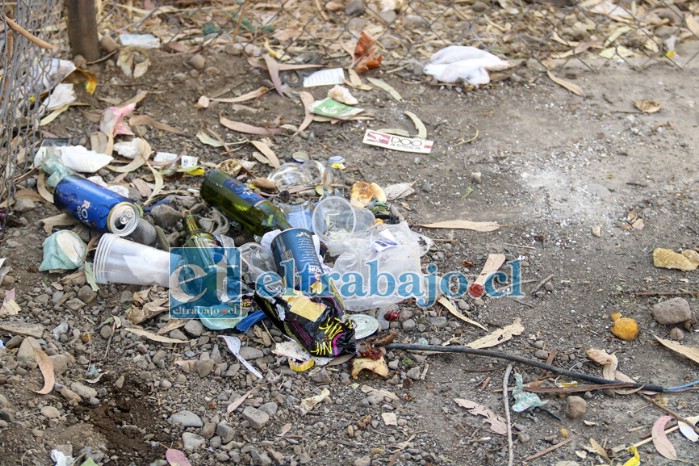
x,y
307,100
444,301
154,337
669,259
692,25
141,120
499,336
386,87
232,407
41,187
647,106
464,225
309,403
273,68
60,220
378,367
259,92
660,440
690,352
497,424
419,125
600,357
248,129
172,324
687,430
267,152
572,87
159,182
205,138
598,448
389,419
46,368
144,153
285,429
22,328
142,187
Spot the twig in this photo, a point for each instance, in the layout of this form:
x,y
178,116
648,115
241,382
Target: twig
x,y
31,37
240,19
548,450
518,246
669,411
506,398
665,293
8,53
541,283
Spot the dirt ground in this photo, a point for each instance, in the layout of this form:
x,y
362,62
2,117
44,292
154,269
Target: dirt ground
x,y
553,167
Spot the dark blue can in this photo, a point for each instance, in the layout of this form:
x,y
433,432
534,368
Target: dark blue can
x,y
296,259
97,207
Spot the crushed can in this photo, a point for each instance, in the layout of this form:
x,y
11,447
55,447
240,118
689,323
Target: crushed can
x,y
97,207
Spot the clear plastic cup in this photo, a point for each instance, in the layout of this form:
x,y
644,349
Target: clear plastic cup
x,y
335,218
299,215
118,260
254,261
290,174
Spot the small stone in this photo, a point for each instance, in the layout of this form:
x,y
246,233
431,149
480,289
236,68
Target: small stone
x,y
204,368
225,431
479,7
676,334
125,297
83,391
597,231
576,407
165,216
23,204
270,408
186,418
192,441
60,363
26,350
541,354
74,304
672,311
539,344
426,186
439,322
523,437
106,332
476,177
178,335
144,233
69,395
415,373
14,342
409,325
198,61
87,294
108,44
208,430
363,461
165,384
234,49
50,412
414,21
120,382
548,286
194,328
355,8
257,418
321,377
250,353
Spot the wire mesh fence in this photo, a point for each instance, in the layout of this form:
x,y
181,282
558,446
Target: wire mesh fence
x,y
27,30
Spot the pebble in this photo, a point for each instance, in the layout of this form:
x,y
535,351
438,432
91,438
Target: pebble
x,y
74,304
108,44
26,350
541,354
524,437
192,441
362,461
186,418
198,61
414,21
178,335
270,408
69,395
144,233
225,431
60,363
208,430
576,407
439,322
538,344
250,353
126,297
321,377
676,334
83,391
415,373
204,368
426,186
165,216
548,286
87,294
256,417
14,342
672,311
479,7
355,8
409,325
50,412
23,204
165,384
106,332
194,328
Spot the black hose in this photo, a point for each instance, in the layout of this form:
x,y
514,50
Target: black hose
x,y
519,359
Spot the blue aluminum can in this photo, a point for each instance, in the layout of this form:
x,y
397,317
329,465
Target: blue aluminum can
x,y
296,245
97,207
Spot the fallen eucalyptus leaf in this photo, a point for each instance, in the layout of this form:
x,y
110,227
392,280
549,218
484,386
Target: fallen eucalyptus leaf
x,y
419,125
267,152
386,87
686,351
46,368
464,225
572,87
248,129
497,424
499,336
444,301
154,337
660,440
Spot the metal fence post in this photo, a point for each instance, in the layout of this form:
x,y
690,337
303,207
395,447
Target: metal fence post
x,y
82,28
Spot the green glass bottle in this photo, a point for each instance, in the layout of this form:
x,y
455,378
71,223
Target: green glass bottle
x,y
240,203
201,251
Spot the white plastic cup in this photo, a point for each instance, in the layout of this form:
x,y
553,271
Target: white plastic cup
x,y
335,218
118,260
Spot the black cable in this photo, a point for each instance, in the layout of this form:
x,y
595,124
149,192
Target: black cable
x,y
519,359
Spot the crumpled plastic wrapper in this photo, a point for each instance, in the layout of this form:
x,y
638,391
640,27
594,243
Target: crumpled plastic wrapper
x,y
63,250
460,63
524,400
